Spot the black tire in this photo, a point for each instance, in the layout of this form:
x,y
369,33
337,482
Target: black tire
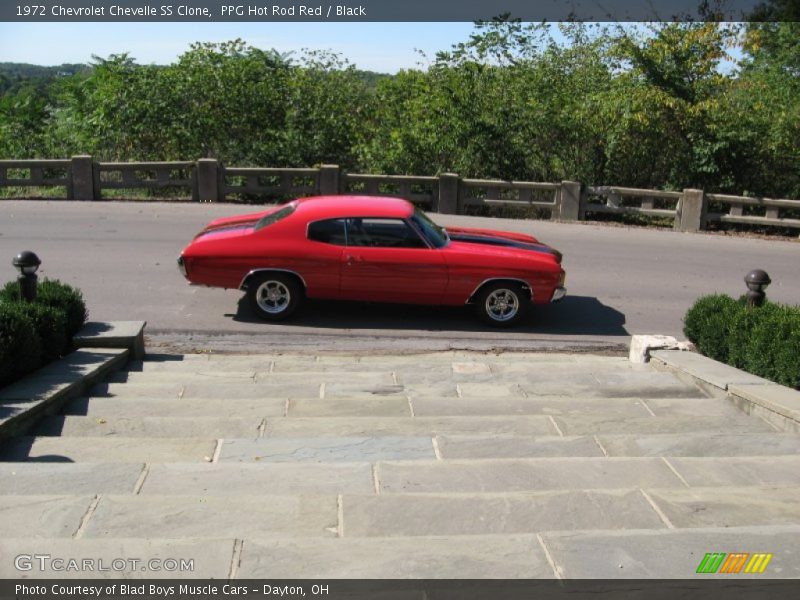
x,y
274,296
502,304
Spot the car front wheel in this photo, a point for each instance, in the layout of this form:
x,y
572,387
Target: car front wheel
x,y
502,304
274,297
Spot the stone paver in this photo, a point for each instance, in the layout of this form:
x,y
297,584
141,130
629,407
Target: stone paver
x,y
518,446
558,405
41,516
701,444
31,478
156,427
134,407
778,398
178,516
669,554
583,425
524,475
465,514
707,369
104,449
729,507
228,479
335,449
340,407
751,470
374,426
205,559
692,407
471,557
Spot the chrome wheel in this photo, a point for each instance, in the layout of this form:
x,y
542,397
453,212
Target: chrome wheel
x,y
273,297
502,305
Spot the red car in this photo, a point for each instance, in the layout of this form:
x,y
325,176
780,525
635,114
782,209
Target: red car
x,y
371,249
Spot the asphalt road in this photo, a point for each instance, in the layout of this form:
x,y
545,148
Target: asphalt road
x,y
621,281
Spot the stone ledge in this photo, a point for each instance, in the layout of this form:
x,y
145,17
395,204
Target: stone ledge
x,y
113,334
44,392
775,403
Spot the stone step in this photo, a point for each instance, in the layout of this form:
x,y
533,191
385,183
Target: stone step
x,y
104,449
702,444
521,424
53,478
597,425
141,559
400,426
442,557
214,516
509,475
673,554
199,375
134,407
666,444
155,427
191,391
335,449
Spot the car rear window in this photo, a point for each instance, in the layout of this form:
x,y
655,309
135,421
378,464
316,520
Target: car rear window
x,y
274,217
330,231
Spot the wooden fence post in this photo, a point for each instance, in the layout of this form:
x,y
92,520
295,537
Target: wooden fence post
x,y
449,184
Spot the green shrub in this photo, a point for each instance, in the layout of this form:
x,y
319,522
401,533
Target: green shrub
x,y
706,324
51,327
20,346
53,293
764,340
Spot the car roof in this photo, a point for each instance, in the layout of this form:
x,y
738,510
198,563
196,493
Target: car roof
x,y
330,207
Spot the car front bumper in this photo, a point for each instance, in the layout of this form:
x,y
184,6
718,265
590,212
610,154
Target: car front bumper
x,y
559,294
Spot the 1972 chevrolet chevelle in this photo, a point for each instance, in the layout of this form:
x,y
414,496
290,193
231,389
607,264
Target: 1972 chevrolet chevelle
x,y
371,249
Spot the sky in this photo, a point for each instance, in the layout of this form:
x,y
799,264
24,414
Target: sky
x,y
381,47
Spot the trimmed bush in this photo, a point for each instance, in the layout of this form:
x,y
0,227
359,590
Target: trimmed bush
x,y
20,346
51,327
53,293
707,322
764,341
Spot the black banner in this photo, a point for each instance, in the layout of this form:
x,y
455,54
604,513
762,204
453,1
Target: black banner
x,y
377,10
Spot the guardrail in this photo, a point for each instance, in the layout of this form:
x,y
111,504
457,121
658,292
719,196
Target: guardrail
x,y
207,180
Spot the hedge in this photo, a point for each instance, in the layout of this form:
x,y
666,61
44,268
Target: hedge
x,y
35,333
762,340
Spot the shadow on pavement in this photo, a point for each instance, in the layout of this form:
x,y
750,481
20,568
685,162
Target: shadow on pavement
x,y
575,315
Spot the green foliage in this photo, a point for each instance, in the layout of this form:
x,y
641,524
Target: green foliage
x,y
706,324
656,106
764,340
20,346
54,294
50,324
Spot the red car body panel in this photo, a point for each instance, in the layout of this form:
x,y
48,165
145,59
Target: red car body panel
x,y
228,249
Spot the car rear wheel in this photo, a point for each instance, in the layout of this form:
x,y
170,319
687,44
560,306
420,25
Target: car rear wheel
x,y
502,304
274,297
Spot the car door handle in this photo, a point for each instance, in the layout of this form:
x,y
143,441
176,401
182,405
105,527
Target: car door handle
x,y
351,259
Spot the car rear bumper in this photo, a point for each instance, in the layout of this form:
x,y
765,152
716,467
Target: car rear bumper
x,y
559,294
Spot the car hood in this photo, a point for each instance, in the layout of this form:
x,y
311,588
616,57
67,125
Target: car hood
x,y
492,233
501,239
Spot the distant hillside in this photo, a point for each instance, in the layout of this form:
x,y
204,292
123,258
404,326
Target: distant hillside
x,y
16,75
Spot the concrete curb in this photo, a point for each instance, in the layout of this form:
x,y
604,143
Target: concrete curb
x,y
103,349
776,404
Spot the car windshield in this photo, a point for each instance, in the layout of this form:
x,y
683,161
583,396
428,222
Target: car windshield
x,y
274,216
435,234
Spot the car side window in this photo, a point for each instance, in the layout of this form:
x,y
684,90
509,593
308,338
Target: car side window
x,y
382,233
330,231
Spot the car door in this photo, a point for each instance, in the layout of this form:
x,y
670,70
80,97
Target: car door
x,y
386,260
321,264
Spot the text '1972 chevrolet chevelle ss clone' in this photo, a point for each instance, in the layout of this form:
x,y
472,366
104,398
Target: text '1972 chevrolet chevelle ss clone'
x,y
374,249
